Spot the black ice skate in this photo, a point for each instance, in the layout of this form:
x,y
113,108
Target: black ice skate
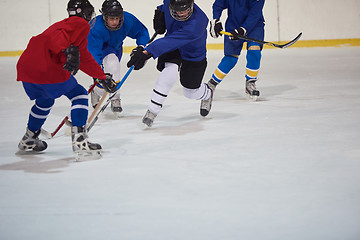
x,y
31,142
148,118
205,105
81,146
116,105
251,91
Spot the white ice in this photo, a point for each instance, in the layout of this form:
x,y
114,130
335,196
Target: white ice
x,y
286,167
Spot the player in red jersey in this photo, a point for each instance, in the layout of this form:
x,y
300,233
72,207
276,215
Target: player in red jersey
x,y
47,68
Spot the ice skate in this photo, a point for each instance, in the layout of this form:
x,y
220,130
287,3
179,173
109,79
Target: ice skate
x,y
95,98
116,106
31,142
205,105
251,91
148,119
82,148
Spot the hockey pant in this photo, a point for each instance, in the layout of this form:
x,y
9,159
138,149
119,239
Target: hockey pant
x,y
79,109
166,81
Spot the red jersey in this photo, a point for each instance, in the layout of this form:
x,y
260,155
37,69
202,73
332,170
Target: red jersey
x,y
43,59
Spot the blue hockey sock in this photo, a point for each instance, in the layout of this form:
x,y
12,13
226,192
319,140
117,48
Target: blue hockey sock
x,y
39,113
227,63
253,58
79,105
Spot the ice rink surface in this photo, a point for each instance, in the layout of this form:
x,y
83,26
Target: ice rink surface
x,y
286,167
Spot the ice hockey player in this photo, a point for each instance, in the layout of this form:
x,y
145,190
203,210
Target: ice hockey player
x,y
245,18
105,43
47,68
182,51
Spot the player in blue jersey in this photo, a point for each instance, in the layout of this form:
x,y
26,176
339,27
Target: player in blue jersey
x,y
245,18
182,51
105,43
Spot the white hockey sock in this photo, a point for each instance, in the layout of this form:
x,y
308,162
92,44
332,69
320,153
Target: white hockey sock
x,y
201,93
165,82
111,65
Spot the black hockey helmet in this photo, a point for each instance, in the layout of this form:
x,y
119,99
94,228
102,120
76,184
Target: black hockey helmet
x,y
81,8
112,8
181,6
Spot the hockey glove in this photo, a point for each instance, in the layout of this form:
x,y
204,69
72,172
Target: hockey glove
x,y
138,58
238,33
72,64
215,28
108,84
159,22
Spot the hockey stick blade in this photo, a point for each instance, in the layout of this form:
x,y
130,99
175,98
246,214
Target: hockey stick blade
x,y
46,134
288,44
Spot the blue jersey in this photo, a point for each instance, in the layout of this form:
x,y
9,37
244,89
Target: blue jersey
x,y
241,13
101,38
189,36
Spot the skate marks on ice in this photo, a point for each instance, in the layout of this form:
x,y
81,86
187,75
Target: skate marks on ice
x,y
239,94
172,126
175,128
37,163
34,162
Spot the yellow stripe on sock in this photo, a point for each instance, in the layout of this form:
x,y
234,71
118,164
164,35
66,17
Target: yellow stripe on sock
x,y
219,74
252,73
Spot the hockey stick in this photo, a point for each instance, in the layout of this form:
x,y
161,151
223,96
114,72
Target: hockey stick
x,y
97,107
92,123
288,44
49,135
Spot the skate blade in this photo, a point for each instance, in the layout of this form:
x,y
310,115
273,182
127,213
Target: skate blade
x,y
21,152
146,127
117,114
252,98
86,156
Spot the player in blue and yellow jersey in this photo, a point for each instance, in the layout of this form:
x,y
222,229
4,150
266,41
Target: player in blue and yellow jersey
x,y
245,18
182,51
105,43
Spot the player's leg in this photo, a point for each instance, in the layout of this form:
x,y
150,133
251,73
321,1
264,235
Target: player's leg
x,y
253,58
168,65
38,114
191,76
111,65
79,112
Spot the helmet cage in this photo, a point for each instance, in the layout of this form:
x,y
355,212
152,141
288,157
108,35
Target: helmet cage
x,y
121,22
112,8
181,6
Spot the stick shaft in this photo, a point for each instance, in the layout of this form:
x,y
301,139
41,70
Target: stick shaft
x,y
288,44
67,117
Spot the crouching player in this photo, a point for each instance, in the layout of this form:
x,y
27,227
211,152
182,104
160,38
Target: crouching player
x,y
47,68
